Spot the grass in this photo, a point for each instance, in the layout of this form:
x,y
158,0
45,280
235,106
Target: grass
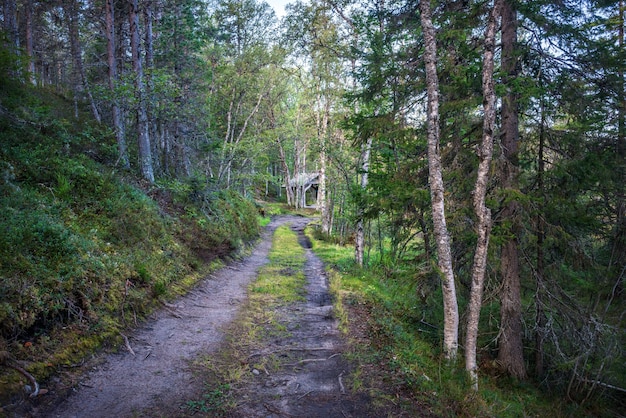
x,y
282,280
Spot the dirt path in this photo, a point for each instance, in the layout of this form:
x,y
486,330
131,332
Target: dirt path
x,y
124,385
310,376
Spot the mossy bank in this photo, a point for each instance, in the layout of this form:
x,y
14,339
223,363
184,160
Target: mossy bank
x,y
86,249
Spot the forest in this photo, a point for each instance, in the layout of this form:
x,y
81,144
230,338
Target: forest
x,y
470,153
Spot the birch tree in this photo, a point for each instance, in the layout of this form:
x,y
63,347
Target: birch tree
x,y
118,120
483,213
364,162
143,135
440,230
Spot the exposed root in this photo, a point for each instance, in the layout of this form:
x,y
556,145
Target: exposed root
x,y
7,360
172,312
282,350
274,410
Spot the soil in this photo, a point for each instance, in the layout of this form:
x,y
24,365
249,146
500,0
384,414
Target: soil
x,y
311,378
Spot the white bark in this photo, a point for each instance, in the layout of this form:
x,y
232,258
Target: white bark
x,y
483,214
145,152
442,237
118,120
359,239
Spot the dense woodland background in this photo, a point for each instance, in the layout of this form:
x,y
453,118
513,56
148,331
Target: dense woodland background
x,y
112,110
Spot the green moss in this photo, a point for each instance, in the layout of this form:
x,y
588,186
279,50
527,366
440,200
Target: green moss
x,y
282,280
279,282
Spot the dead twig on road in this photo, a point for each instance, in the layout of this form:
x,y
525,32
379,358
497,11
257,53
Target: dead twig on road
x,y
341,387
127,344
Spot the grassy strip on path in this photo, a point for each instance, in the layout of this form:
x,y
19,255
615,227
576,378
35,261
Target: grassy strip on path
x,y
279,283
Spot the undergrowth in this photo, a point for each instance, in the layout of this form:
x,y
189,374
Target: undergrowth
x,y
396,336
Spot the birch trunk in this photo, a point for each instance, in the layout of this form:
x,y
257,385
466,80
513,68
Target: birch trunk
x,y
322,135
149,86
359,239
483,214
29,41
118,120
287,174
442,237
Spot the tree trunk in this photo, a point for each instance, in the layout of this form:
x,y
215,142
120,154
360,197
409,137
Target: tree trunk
x,y
143,140
286,174
149,42
10,24
29,41
540,317
619,237
483,214
359,239
80,78
442,237
118,120
511,354
322,135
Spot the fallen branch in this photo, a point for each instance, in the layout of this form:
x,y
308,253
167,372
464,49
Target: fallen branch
x,y
312,360
306,394
605,385
341,387
127,343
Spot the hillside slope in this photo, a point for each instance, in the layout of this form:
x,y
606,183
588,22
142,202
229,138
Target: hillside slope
x,y
86,249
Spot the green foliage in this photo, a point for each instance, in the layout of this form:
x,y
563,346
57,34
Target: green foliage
x,y
216,401
404,336
217,222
